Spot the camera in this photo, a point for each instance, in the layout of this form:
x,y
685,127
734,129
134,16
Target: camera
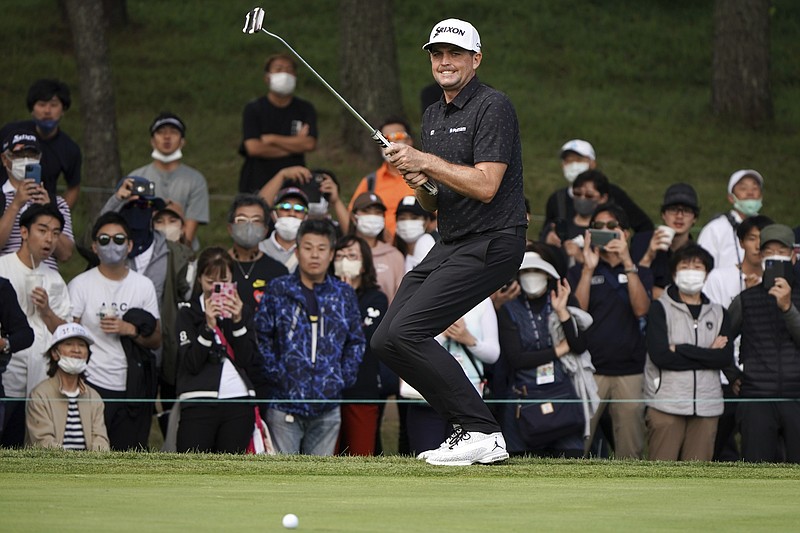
x,y
143,187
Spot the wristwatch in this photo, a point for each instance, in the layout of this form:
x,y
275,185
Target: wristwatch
x,y
632,270
7,347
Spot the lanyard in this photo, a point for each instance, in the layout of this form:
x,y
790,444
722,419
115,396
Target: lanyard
x,y
535,322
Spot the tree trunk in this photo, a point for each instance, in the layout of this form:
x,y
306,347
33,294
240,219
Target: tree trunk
x,y
369,70
740,87
101,165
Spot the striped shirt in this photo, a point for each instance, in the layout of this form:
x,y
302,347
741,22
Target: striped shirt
x,y
74,438
15,238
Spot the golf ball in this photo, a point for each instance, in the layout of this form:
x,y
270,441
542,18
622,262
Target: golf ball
x,y
290,521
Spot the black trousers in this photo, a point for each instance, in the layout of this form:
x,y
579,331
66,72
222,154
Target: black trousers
x,y
451,280
127,424
764,425
221,427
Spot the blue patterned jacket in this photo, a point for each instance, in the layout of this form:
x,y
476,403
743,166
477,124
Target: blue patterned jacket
x,y
295,367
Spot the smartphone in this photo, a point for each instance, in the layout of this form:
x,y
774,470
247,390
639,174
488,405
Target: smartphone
x,y
561,228
777,269
143,187
222,291
601,237
33,171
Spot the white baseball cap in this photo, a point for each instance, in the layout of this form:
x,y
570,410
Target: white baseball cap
x,y
534,260
454,31
737,176
580,147
68,331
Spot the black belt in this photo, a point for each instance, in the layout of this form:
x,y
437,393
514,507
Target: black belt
x,y
517,231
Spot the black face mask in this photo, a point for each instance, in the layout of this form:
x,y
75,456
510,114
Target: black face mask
x,y
583,206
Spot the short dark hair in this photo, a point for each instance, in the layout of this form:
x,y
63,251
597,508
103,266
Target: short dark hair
x,y
32,214
396,120
318,226
212,260
369,279
111,217
688,252
757,221
45,89
615,210
247,199
281,55
599,180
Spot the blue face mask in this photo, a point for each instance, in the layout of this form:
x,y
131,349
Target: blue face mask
x,y
47,126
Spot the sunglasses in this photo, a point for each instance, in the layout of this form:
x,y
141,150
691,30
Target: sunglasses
x,y
104,239
291,207
396,136
611,224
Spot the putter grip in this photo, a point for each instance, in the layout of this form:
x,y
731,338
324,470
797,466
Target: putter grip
x,y
429,186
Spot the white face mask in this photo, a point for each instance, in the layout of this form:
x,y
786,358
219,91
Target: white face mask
x,y
370,225
690,281
287,227
347,268
282,83
172,232
164,158
573,170
410,230
533,283
18,166
71,365
773,258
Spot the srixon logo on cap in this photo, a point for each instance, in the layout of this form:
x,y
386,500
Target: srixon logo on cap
x,y
448,29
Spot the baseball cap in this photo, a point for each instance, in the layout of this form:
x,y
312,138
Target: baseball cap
x,y
534,260
68,331
409,204
171,207
367,199
681,194
291,192
19,140
580,147
777,232
737,176
454,31
168,119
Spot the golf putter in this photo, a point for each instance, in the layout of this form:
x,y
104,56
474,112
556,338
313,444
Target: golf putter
x,y
254,23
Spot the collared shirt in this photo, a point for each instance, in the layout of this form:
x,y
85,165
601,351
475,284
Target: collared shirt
x,y
479,125
273,249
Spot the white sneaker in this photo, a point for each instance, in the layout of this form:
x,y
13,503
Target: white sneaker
x,y
469,447
456,430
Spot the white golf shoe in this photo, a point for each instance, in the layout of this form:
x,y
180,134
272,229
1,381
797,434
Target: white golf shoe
x,y
465,448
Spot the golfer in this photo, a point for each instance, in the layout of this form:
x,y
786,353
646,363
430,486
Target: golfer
x,y
471,151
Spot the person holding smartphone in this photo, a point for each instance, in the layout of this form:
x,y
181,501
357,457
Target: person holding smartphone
x,y
216,352
768,319
20,156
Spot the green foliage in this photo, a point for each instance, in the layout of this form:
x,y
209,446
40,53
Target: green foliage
x,y
632,77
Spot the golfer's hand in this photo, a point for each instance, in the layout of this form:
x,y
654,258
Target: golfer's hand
x,y
404,157
415,180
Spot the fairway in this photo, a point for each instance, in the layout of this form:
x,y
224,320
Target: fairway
x,y
58,491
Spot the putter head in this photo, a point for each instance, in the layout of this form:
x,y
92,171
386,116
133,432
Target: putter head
x,y
253,21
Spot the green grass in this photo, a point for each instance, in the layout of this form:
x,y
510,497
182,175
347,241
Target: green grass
x,y
47,491
632,77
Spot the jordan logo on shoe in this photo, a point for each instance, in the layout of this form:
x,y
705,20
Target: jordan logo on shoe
x,y
496,445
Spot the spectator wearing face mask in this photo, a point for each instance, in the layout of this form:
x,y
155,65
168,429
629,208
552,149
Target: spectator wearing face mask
x,y
64,411
289,210
106,301
169,220
278,129
47,101
173,179
412,237
578,156
687,344
368,221
745,190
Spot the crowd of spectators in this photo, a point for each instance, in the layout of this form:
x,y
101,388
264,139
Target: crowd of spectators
x,y
665,346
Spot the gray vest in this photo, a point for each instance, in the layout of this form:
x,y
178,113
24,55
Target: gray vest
x,y
686,392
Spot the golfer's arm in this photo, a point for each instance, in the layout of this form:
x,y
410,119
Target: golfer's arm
x,y
480,182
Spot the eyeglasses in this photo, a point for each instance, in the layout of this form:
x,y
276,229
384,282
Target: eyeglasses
x,y
241,219
396,136
104,239
679,210
611,224
291,207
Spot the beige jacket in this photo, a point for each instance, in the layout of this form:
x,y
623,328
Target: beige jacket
x,y
46,416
